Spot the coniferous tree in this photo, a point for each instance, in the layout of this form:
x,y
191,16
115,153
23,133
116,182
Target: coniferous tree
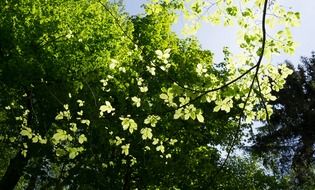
x,y
288,143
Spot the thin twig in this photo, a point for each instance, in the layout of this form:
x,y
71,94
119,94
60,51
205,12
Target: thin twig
x,y
95,102
257,66
231,146
204,92
264,105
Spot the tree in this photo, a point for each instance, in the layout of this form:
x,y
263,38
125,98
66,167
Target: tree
x,y
94,99
292,134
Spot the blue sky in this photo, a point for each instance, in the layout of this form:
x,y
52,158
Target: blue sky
x,y
215,38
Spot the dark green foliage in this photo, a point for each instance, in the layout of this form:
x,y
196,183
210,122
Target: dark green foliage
x,y
287,145
50,48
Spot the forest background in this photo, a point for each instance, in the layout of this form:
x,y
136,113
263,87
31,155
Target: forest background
x,y
93,98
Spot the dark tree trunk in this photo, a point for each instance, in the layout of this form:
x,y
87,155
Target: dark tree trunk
x,y
17,164
13,172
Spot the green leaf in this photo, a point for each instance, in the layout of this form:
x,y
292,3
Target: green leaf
x,y
200,118
61,135
193,115
178,113
125,149
35,139
73,153
232,10
133,126
164,96
82,139
146,133
217,108
27,132
160,148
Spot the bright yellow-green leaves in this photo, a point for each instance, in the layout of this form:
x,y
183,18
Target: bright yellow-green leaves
x,y
27,132
73,127
131,79
146,133
128,123
152,9
24,151
168,97
215,18
173,141
136,101
143,88
151,70
224,105
125,149
106,108
82,139
68,139
63,143
61,135
36,138
80,103
86,122
248,17
152,120
64,114
249,39
201,69
199,116
163,55
133,161
160,148
118,140
189,112
155,141
74,151
113,63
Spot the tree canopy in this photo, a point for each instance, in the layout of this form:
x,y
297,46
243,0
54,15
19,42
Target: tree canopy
x,y
92,98
288,147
